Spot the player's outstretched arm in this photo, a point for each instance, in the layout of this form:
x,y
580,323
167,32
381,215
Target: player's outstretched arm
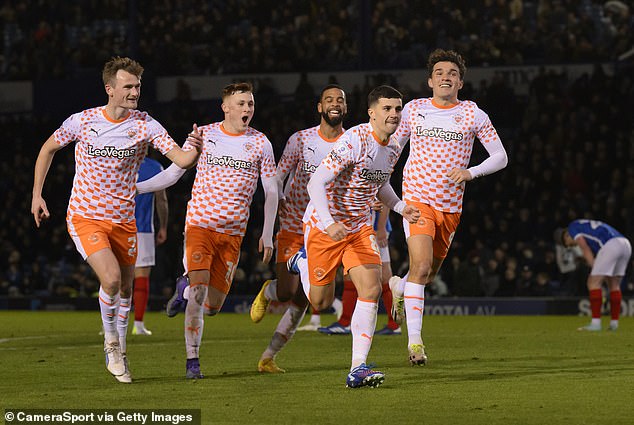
x,y
269,184
162,180
42,164
188,158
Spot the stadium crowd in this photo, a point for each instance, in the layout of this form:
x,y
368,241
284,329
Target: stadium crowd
x,y
60,39
569,142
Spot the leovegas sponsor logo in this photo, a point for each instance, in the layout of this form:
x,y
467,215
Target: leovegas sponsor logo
x,y
308,167
110,152
374,176
439,133
228,161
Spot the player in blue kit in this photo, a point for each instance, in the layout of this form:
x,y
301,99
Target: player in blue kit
x,y
146,204
607,252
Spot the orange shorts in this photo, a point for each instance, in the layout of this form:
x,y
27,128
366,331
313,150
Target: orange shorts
x,y
206,249
325,255
287,244
90,236
441,226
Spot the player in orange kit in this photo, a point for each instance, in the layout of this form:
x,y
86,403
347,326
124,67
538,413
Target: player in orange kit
x,y
441,131
234,156
110,143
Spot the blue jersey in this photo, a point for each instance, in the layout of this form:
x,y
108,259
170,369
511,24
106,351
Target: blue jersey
x,y
596,233
144,211
388,225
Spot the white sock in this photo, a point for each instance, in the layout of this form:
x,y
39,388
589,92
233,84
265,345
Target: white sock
x,y
315,319
362,327
194,320
596,322
302,264
271,291
337,305
285,330
122,322
614,323
108,305
414,307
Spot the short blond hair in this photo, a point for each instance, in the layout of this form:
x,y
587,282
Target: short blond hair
x,y
116,63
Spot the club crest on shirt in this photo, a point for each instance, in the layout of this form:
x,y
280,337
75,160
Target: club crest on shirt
x,y
248,147
131,133
458,118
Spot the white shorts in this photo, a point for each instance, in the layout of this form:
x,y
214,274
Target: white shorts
x,y
612,258
145,250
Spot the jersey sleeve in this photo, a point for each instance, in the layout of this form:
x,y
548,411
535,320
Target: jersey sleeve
x,y
485,131
267,165
344,152
290,156
159,137
69,130
403,131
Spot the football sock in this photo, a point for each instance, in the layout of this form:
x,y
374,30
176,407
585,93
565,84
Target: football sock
x,y
596,299
194,321
362,328
122,322
414,306
141,294
386,295
108,306
285,330
271,291
615,304
349,300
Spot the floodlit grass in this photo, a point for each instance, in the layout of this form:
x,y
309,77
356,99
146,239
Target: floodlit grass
x,y
482,370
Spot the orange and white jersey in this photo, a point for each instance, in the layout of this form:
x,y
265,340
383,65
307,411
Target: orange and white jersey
x,y
361,165
226,178
302,154
108,154
441,138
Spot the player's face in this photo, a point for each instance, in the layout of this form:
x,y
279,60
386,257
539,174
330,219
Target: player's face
x,y
445,81
332,107
125,90
385,115
239,109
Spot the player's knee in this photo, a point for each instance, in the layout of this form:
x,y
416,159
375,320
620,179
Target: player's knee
x,y
420,272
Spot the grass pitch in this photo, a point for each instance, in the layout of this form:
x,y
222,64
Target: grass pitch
x,y
482,370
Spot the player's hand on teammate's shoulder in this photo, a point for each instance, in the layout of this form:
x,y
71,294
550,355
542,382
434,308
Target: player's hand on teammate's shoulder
x,y
195,138
337,231
459,175
411,214
39,210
